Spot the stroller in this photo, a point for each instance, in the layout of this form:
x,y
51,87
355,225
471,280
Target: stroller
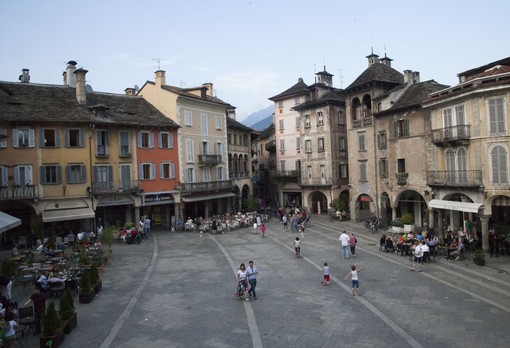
x,y
242,290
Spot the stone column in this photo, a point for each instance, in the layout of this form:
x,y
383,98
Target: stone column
x,y
393,214
430,217
485,232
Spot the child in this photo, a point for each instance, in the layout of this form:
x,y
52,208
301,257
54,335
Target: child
x,y
325,272
297,246
255,226
354,277
263,231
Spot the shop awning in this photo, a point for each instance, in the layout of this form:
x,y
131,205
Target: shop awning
x,y
207,198
453,205
68,214
365,198
8,221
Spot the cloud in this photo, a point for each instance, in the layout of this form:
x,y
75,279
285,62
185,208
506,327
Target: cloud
x,y
255,81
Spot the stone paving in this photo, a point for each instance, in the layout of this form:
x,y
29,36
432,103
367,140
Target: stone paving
x,y
176,290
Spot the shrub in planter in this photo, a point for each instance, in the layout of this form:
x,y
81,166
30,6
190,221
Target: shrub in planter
x,y
51,329
407,219
479,258
67,312
397,223
86,292
9,268
95,281
84,258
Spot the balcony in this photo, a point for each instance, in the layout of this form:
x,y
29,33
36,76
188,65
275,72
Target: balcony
x,y
401,178
284,173
203,187
239,175
456,135
130,186
209,159
455,178
19,192
271,146
364,122
317,182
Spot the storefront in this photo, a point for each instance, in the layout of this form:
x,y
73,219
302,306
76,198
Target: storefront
x,y
159,207
115,210
61,217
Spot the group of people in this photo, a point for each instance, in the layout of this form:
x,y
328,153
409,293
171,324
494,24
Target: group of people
x,y
296,219
348,243
247,281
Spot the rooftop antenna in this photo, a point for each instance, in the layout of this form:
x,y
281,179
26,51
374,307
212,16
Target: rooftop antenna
x,y
340,76
182,84
158,61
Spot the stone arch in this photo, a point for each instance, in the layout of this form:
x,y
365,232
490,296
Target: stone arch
x,y
410,201
366,107
318,201
355,109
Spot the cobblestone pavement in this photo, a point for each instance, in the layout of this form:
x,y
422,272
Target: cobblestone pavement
x,y
177,290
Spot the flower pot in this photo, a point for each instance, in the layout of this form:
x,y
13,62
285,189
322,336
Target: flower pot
x,y
397,229
56,340
70,324
408,227
85,297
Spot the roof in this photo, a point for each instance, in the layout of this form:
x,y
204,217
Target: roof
x,y
480,69
299,88
377,72
231,123
334,96
268,132
28,102
184,93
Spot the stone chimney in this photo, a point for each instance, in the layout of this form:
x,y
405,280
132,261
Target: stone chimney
x,y
160,78
231,112
386,60
69,76
416,77
209,86
25,76
81,93
130,91
408,76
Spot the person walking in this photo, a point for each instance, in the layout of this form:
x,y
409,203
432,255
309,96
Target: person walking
x,y
39,299
147,227
284,220
263,231
354,278
251,273
325,273
255,227
352,243
418,257
344,239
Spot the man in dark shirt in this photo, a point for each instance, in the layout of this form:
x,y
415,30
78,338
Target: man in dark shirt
x,y
39,299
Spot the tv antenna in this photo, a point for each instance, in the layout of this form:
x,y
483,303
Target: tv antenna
x,y
340,76
158,61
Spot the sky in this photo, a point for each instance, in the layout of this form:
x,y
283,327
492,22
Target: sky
x,y
250,50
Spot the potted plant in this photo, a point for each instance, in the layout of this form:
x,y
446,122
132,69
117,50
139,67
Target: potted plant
x,y
408,221
52,335
95,281
84,258
9,268
108,236
479,258
397,226
86,294
67,313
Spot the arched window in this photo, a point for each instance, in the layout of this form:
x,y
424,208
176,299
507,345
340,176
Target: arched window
x,y
355,109
462,165
450,166
499,161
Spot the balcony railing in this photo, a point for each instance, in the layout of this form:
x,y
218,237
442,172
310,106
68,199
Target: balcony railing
x,y
364,122
130,186
270,146
239,175
209,159
402,178
455,178
284,173
450,135
318,181
19,192
205,187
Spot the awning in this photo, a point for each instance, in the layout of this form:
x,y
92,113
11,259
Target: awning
x,y
67,214
365,198
453,205
8,221
207,198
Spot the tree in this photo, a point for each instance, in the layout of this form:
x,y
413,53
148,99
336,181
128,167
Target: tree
x,y
337,204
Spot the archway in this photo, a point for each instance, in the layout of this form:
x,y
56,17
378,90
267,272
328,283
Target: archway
x,y
355,109
319,203
412,202
385,212
244,196
363,207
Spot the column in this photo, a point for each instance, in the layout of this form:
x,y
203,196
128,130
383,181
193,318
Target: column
x,y
393,213
440,224
485,232
430,217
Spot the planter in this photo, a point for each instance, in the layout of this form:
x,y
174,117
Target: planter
x,y
397,229
56,341
85,297
98,286
70,324
408,227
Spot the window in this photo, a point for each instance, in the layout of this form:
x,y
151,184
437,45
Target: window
x,y
4,176
362,170
308,146
308,123
101,143
125,150
282,144
298,143
190,152
167,170
320,119
219,149
188,119
190,174
219,173
166,140
282,165
206,172
49,137
462,164
51,174
103,178
125,177
147,171
76,173
382,140
341,118
322,171
229,139
383,168
145,140
401,165
3,138
496,116
343,171
74,137
205,149
23,137
499,161
235,139
342,145
23,175
297,100
309,172
281,124
204,124
361,141
454,116
401,128
298,122
280,103
320,143
218,122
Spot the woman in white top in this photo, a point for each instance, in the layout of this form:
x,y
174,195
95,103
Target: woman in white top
x,y
242,284
10,330
255,226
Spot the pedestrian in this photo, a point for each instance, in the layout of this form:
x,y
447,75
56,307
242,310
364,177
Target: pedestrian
x,y
325,273
297,246
39,299
418,256
344,239
263,231
352,243
242,284
354,278
255,227
147,227
10,326
251,273
284,220
6,283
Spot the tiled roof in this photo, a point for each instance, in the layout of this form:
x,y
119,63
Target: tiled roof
x,y
334,96
299,88
238,125
182,92
377,72
269,131
468,73
27,102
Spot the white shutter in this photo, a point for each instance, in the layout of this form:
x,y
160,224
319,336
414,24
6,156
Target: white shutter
x,y
31,137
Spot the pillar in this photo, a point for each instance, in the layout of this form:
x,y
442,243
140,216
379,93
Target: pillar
x,y
393,213
137,215
485,232
430,217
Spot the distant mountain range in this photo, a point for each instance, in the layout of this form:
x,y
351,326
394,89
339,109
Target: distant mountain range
x,y
261,119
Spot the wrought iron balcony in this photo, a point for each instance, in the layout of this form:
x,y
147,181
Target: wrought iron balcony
x,y
271,145
364,122
19,192
318,181
455,178
129,186
239,175
451,135
205,187
284,173
209,159
402,178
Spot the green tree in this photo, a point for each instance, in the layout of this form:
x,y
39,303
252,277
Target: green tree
x,y
337,204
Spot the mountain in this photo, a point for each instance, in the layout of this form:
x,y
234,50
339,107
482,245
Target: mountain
x,y
264,117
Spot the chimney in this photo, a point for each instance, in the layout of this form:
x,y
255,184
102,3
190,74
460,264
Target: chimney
x,y
25,76
160,78
130,91
209,86
81,93
408,78
69,77
372,58
386,60
324,77
231,112
416,77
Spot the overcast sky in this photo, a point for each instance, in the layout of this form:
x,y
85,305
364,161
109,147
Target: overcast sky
x,y
249,50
